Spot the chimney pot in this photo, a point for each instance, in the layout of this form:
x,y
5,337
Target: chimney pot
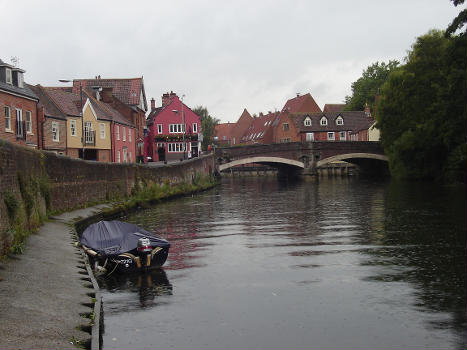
x,y
153,104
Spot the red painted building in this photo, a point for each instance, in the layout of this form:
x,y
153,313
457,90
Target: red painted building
x,y
173,130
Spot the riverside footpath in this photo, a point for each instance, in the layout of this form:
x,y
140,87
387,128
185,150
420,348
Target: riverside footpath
x,y
44,292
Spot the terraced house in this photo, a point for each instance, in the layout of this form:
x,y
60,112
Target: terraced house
x,y
18,107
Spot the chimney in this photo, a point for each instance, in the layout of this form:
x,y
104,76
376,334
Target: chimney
x,y
165,99
367,110
298,94
106,95
153,104
172,94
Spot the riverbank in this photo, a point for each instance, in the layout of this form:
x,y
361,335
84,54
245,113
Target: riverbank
x,y
45,292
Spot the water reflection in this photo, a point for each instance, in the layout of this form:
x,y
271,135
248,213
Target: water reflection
x,y
259,263
145,286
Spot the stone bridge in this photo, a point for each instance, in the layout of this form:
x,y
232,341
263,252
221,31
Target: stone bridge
x,y
304,157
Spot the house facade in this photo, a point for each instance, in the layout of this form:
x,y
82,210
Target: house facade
x,y
128,97
18,106
173,130
223,134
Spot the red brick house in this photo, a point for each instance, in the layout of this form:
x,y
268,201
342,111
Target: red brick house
x,y
260,129
128,97
52,123
173,130
18,106
223,134
241,126
333,126
301,104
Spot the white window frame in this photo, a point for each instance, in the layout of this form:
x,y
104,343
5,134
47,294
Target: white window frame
x,y
55,132
19,121
125,155
29,122
285,127
195,127
342,136
123,133
102,130
310,136
20,80
176,128
307,121
9,76
323,121
118,156
339,120
331,136
129,135
73,127
7,112
159,128
130,157
118,133
88,133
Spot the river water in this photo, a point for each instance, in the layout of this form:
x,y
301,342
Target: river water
x,y
258,263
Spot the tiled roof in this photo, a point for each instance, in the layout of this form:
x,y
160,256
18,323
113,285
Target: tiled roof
x,y
304,103
259,126
353,121
153,114
68,102
25,91
126,90
106,112
334,107
50,109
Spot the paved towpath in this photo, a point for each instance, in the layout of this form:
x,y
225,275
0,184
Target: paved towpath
x,y
42,291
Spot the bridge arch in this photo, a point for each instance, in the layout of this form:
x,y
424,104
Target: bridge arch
x,y
269,160
349,156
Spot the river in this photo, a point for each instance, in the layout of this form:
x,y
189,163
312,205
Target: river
x,y
259,263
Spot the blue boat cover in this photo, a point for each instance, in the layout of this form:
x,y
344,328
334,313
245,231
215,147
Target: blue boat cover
x,y
116,237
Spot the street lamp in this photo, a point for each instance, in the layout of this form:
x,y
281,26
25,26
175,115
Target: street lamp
x,y
80,113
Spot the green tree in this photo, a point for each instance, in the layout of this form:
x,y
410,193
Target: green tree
x,y
366,87
421,111
208,123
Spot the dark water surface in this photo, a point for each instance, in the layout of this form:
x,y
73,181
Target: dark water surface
x,y
263,264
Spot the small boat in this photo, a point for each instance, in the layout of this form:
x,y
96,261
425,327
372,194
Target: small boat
x,y
116,245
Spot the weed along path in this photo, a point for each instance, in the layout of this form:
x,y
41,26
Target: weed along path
x,y
44,293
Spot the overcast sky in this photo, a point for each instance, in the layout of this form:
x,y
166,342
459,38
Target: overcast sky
x,y
225,55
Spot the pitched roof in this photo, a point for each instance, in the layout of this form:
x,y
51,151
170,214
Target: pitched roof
x,y
45,101
302,104
68,102
353,121
105,111
223,129
334,107
259,127
128,90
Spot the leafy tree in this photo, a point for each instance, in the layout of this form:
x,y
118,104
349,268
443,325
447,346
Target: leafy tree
x,y
208,124
421,111
459,21
366,87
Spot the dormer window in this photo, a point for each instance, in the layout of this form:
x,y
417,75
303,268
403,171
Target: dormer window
x,y
323,121
307,121
20,80
9,76
339,120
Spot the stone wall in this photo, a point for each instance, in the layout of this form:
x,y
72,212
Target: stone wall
x,y
31,181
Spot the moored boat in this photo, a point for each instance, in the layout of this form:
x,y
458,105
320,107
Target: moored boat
x,y
124,247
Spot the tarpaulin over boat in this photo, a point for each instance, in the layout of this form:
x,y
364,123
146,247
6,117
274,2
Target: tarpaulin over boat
x,y
116,237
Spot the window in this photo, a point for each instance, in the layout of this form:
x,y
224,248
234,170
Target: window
x,y
175,147
88,133
125,154
20,80
130,156
73,127
124,136
102,130
310,136
285,140
323,121
118,132
7,118
159,128
285,126
195,128
339,120
9,76
19,123
118,156
307,121
55,132
224,137
129,134
330,136
176,128
28,122
342,135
